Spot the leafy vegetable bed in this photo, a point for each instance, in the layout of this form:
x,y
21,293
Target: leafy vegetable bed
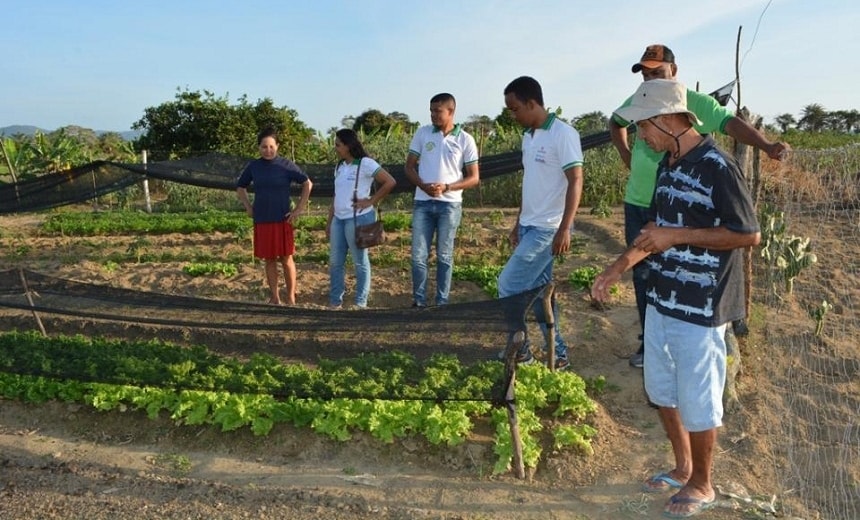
x,y
388,395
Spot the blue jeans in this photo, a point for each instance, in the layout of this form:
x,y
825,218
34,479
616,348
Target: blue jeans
x,y
443,219
531,266
343,239
635,218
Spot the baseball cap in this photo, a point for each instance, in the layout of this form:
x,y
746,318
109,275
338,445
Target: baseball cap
x,y
656,98
655,55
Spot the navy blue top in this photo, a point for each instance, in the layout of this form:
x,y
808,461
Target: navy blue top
x,y
703,189
272,180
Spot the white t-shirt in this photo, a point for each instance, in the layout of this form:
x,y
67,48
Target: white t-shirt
x,y
344,185
441,158
547,152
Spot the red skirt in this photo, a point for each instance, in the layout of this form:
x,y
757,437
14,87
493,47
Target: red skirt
x,y
274,239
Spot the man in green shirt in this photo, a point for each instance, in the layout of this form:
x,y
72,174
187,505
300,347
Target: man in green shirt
x,y
658,62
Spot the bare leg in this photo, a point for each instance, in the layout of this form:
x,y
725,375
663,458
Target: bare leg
x,y
696,450
680,439
290,278
272,280
702,444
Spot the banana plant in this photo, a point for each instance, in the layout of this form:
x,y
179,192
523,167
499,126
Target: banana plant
x,y
58,151
16,155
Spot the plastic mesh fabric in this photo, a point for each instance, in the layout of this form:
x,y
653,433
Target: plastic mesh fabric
x,y
473,331
213,170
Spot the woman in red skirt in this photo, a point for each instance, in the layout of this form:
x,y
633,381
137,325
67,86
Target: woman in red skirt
x,y
273,215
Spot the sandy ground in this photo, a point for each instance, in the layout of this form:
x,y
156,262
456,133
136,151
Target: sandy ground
x,y
67,461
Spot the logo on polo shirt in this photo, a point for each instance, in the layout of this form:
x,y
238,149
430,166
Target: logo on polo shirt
x,y
540,155
429,147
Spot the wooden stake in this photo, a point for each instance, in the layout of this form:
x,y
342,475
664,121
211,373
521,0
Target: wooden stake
x,y
550,325
514,345
30,301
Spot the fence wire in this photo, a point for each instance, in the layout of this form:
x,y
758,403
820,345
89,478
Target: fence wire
x,y
815,328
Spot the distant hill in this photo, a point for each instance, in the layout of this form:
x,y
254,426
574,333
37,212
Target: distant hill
x,y
8,131
19,129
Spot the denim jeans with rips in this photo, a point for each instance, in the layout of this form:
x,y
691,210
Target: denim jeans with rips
x,y
441,218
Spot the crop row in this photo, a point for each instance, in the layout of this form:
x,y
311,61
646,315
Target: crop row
x,y
388,395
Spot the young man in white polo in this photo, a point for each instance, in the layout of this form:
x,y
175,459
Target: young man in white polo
x,y
441,163
552,187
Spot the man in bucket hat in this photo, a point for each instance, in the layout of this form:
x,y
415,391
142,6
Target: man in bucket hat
x,y
658,62
700,217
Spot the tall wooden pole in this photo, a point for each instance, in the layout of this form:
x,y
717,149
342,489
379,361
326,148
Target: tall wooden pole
x,y
146,198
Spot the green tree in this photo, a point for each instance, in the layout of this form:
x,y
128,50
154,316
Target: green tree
x,y
814,118
86,137
479,125
852,120
843,120
201,121
784,122
112,147
506,120
590,122
373,121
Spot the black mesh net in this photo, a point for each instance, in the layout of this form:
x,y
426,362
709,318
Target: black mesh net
x,y
472,332
212,170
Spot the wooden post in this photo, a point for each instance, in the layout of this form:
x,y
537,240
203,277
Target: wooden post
x,y
480,189
95,191
146,198
738,64
549,316
515,343
30,301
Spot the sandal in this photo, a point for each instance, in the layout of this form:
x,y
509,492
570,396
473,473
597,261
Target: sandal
x,y
661,482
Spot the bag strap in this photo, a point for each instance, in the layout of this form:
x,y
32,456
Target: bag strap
x,y
355,190
355,193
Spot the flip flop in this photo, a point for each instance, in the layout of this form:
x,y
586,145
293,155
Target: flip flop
x,y
699,505
661,482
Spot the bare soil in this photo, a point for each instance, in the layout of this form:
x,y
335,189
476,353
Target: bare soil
x,y
68,461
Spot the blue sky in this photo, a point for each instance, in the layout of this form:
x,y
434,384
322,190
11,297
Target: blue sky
x,y
99,64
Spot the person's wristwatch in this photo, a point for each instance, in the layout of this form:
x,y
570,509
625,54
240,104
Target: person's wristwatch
x,y
447,188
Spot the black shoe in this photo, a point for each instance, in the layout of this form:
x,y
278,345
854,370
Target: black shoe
x,y
637,360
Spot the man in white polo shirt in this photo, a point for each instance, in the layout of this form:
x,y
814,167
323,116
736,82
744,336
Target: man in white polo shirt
x,y
441,163
552,187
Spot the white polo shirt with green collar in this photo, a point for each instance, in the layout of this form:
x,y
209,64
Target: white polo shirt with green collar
x,y
441,158
547,152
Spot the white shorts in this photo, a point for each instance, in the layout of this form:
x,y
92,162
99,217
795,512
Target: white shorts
x,y
685,368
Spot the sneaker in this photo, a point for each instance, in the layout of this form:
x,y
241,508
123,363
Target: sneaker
x,y
562,363
637,360
525,358
416,305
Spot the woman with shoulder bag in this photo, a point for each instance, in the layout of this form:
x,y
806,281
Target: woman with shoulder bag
x,y
352,204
